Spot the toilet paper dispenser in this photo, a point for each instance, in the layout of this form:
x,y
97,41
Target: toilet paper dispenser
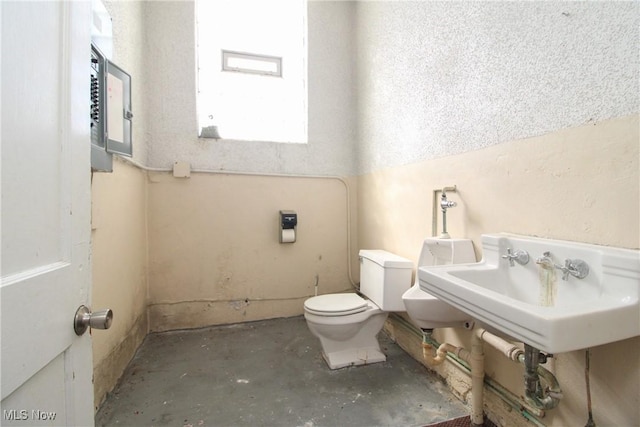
x,y
288,223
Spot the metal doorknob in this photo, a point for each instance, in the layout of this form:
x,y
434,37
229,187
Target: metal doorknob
x,y
84,319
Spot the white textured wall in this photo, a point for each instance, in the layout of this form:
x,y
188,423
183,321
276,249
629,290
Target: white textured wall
x,y
440,78
128,47
171,96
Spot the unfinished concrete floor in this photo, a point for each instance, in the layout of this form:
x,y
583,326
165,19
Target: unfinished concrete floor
x,y
270,373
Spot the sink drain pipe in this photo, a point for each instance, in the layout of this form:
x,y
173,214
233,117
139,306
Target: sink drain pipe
x,y
538,397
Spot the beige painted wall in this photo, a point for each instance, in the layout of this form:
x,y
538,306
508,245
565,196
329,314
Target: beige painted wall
x,y
214,252
119,262
173,253
578,184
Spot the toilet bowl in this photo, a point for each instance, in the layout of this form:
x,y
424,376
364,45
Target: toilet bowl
x,y
347,324
425,310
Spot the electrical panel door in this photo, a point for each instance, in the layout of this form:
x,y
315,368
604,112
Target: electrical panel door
x,y
111,115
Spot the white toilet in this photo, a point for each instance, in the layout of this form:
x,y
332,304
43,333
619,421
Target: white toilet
x,y
347,324
425,310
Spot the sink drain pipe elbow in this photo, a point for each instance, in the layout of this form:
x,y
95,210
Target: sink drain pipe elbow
x,y
552,392
441,352
544,398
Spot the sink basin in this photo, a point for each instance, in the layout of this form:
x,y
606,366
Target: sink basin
x,y
428,312
533,304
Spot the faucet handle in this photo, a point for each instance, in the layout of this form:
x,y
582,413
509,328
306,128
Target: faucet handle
x,y
509,257
566,269
519,256
576,267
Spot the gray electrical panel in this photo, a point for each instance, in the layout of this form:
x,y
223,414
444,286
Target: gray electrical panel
x,y
111,115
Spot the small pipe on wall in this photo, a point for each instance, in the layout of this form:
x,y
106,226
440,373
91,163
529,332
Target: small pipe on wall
x,y
434,210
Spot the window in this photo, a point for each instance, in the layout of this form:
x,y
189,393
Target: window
x,y
252,69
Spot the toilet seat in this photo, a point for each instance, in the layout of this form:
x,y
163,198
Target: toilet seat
x,y
336,305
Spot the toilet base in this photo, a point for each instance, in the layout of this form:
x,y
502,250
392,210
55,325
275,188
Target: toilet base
x,y
350,340
354,357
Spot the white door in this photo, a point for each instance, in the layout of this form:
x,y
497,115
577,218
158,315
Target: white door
x,y
46,271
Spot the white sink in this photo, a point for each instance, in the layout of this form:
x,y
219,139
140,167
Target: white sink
x,y
535,305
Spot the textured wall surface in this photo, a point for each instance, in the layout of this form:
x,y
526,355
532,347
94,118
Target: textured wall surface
x,y
128,52
171,98
440,78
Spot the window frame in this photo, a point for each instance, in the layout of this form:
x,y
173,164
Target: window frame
x,y
227,55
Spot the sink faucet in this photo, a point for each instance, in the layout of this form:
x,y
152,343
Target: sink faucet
x,y
519,256
545,261
575,267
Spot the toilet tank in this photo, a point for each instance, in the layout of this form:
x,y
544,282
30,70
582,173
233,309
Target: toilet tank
x,y
384,277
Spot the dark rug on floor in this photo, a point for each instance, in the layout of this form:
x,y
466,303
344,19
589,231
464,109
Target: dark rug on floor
x,y
461,422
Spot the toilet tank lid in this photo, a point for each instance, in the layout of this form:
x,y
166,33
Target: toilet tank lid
x,y
385,259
